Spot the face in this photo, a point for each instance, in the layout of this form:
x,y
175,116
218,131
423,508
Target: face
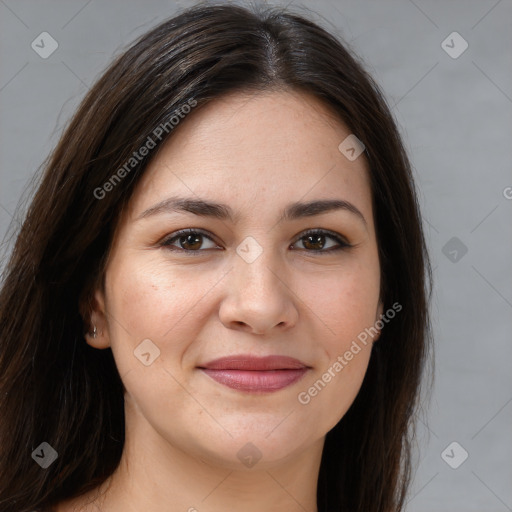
x,y
247,286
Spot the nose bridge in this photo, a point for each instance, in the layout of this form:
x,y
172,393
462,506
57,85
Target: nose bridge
x,y
257,296
256,264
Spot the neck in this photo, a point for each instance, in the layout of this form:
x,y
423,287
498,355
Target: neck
x,y
155,475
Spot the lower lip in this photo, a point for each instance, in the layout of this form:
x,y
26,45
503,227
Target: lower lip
x,y
256,381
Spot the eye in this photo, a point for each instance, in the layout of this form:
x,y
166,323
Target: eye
x,y
188,240
314,240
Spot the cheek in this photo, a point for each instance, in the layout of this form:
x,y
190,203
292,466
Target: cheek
x,y
158,303
154,296
344,302
346,309
138,299
154,300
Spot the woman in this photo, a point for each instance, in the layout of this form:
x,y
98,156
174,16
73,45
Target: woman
x,y
219,296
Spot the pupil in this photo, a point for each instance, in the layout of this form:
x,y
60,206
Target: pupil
x,y
192,239
313,237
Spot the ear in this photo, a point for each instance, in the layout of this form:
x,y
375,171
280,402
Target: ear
x,y
95,315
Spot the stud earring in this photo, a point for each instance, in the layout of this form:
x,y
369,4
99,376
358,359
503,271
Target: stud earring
x,y
94,333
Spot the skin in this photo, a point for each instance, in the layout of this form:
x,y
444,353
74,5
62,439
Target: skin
x,y
256,153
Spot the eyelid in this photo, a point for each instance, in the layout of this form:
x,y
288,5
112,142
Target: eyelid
x,y
340,240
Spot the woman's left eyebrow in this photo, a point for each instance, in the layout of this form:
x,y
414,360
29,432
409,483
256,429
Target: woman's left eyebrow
x,y
221,211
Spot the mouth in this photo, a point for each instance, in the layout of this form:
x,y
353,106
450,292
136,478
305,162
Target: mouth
x,y
255,374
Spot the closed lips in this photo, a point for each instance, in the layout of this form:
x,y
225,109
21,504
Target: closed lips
x,y
255,374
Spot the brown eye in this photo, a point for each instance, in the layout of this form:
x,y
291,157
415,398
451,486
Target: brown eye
x,y
188,240
315,241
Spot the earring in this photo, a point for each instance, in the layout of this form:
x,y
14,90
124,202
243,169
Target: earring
x,y
94,333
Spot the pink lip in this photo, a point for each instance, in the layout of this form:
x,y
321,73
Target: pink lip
x,y
255,374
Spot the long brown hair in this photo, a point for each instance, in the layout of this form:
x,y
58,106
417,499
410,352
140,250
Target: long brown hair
x,y
55,388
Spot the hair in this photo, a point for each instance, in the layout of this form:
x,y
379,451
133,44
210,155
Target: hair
x,y
56,388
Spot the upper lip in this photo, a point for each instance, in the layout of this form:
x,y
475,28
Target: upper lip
x,y
249,362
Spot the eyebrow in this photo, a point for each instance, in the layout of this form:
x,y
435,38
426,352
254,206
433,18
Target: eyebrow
x,y
221,211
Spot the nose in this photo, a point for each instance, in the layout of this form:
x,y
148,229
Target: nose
x,y
258,299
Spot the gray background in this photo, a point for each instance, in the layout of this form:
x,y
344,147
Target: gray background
x,y
455,115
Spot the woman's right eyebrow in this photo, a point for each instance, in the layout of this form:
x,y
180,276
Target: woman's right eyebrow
x,y
204,208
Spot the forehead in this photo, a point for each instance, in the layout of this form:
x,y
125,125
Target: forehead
x,y
256,151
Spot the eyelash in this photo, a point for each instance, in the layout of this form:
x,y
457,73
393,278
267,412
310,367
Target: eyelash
x,y
175,236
